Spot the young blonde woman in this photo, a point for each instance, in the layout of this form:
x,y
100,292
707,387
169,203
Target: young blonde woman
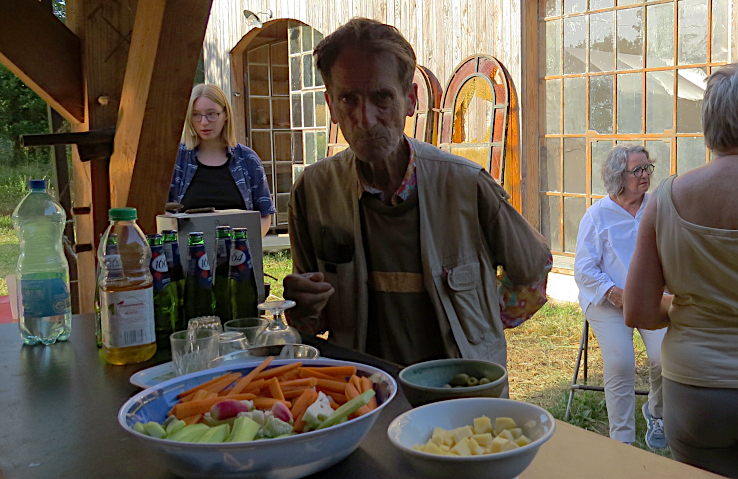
x,y
212,169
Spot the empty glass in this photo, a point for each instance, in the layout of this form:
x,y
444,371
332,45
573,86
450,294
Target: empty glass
x,y
205,322
251,327
231,341
193,350
277,332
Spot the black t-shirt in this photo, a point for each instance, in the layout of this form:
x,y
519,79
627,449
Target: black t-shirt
x,y
213,186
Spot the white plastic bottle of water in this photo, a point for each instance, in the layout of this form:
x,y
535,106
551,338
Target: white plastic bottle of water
x,y
42,274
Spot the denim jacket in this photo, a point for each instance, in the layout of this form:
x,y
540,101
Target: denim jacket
x,y
247,172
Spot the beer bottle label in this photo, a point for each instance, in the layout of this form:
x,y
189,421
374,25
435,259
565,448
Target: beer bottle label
x,y
127,317
168,254
202,263
237,257
159,271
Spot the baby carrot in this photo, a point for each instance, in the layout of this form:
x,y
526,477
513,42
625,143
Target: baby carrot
x,y
191,408
356,382
337,386
366,384
352,392
299,383
254,386
275,389
309,373
293,393
267,403
340,371
270,373
190,420
222,384
335,405
303,402
201,386
294,374
340,398
250,376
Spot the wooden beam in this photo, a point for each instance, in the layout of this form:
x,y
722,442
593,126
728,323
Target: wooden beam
x,y
165,48
529,111
40,50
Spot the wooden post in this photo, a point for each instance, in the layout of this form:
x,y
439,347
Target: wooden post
x,y
166,44
530,111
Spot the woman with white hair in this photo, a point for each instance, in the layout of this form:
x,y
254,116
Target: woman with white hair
x,y
212,169
605,244
689,243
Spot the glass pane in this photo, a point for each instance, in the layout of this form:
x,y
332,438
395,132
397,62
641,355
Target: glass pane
x,y
575,165
691,84
473,110
630,103
574,209
260,117
692,34
628,2
600,103
574,6
283,146
294,39
477,154
295,74
280,80
660,154
720,19
280,113
659,101
551,48
308,110
317,37
259,55
660,34
551,221
630,38
550,175
321,144
600,150
318,77
321,109
261,143
282,202
279,54
310,155
297,147
553,8
284,176
307,71
307,39
575,44
598,4
690,153
296,111
601,55
575,105
259,80
553,107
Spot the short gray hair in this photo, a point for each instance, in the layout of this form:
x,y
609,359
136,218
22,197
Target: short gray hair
x,y
616,164
720,109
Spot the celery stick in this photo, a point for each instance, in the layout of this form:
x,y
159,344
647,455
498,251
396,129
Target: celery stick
x,y
345,410
175,426
154,429
186,431
244,430
215,434
195,436
139,427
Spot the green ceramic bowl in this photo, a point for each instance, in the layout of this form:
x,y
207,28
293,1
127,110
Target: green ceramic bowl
x,y
423,382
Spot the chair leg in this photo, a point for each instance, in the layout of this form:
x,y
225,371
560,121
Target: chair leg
x,y
586,350
582,347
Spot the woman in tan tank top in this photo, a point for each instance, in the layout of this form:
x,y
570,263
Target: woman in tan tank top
x,y
688,243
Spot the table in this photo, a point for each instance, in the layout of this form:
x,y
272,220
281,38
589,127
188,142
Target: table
x,y
60,420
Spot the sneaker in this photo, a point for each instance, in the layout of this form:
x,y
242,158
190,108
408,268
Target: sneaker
x,y
655,437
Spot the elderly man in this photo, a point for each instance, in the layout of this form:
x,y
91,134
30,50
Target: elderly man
x,y
395,244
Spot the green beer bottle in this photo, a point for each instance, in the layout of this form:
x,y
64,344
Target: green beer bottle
x,y
244,294
221,285
199,299
176,273
166,303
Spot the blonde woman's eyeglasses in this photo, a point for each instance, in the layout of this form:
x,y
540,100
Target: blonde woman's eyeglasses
x,y
211,116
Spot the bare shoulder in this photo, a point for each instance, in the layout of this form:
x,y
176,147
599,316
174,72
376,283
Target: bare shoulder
x,y
706,195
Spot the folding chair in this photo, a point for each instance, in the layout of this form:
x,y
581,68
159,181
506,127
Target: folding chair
x,y
584,347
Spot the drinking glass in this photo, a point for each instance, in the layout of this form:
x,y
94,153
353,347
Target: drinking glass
x,y
231,341
251,327
192,350
277,332
205,322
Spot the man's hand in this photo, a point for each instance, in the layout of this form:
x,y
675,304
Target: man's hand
x,y
615,296
310,292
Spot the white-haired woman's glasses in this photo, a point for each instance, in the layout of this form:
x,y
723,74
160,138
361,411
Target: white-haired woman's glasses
x,y
638,171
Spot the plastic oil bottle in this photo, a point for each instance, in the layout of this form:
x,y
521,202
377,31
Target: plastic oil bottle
x,y
126,291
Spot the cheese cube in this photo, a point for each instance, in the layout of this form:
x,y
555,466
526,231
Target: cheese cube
x,y
517,432
478,451
483,440
444,448
418,448
437,440
506,434
461,433
462,449
502,423
498,443
432,448
472,443
522,441
449,440
438,432
510,446
482,425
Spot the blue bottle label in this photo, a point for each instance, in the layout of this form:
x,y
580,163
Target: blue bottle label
x,y
45,297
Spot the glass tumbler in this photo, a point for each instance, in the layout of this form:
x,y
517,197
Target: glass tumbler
x,y
193,350
231,341
251,327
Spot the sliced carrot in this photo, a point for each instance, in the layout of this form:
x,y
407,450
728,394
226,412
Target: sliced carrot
x,y
351,393
275,389
366,385
299,383
190,420
340,371
356,382
250,376
340,398
222,384
254,386
303,402
267,403
310,373
279,370
201,386
189,397
335,405
298,425
337,386
201,394
293,393
191,408
294,374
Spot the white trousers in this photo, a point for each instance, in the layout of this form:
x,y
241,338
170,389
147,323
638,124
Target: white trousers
x,y
618,356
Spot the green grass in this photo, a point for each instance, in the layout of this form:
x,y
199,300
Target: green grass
x,y
8,252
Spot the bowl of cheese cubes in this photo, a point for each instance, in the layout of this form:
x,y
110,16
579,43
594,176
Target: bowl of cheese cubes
x,y
487,438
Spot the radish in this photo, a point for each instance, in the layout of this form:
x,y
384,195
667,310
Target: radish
x,y
227,409
282,412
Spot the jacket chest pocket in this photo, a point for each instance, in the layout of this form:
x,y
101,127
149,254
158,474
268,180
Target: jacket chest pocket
x,y
464,285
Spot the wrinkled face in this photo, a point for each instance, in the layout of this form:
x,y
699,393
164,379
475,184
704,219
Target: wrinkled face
x,y
206,129
631,182
368,103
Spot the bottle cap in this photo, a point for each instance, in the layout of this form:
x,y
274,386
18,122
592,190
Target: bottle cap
x,y
122,214
37,184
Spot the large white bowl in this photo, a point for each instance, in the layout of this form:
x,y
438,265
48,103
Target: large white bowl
x,y
416,427
283,458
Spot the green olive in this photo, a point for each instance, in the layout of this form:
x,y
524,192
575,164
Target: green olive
x,y
484,381
447,386
459,380
472,381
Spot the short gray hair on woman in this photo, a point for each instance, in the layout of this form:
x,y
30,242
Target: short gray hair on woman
x,y
720,109
616,164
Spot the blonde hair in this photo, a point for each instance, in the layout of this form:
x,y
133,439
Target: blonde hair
x,y
215,94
